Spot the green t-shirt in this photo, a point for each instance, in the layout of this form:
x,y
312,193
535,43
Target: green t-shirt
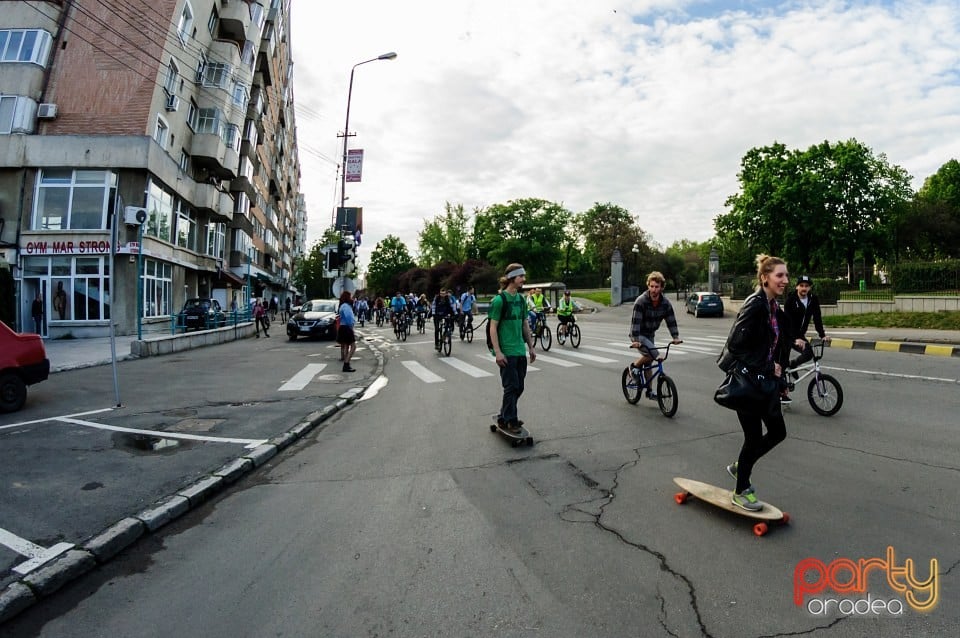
x,y
510,328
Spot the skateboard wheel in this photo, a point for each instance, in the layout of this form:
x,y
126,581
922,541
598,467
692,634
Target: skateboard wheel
x,y
493,428
514,443
529,441
785,519
760,529
680,497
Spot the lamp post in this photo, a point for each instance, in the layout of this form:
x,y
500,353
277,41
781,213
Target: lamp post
x,y
346,126
249,291
636,262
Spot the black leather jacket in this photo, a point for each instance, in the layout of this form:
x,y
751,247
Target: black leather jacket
x,y
751,336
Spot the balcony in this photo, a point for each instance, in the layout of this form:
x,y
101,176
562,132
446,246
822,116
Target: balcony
x,y
209,199
234,21
227,51
250,140
256,105
244,179
210,152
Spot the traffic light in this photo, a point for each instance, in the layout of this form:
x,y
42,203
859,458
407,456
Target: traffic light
x,y
343,251
332,261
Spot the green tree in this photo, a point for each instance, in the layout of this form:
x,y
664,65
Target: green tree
x,y
389,260
930,228
446,237
529,231
308,271
606,227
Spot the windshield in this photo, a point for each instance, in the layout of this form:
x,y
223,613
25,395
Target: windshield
x,y
196,303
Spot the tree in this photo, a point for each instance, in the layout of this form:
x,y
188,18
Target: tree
x,y
389,260
606,227
446,237
308,271
930,228
528,231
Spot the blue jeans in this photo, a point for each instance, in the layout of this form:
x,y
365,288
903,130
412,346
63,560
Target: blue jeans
x,y
511,377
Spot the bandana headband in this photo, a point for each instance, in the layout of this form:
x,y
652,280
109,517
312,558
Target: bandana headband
x,y
516,273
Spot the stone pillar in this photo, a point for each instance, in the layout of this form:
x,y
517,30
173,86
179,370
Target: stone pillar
x,y
714,266
616,278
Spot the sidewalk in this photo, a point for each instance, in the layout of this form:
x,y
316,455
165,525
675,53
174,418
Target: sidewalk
x,y
70,354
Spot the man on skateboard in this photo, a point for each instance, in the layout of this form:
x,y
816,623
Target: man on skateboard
x,y
511,339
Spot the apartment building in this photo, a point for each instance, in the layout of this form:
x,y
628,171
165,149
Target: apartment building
x,y
147,155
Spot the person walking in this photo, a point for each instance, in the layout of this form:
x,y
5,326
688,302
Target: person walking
x,y
511,339
759,342
36,311
260,319
345,335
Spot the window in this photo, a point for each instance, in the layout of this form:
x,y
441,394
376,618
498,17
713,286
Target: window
x,y
212,22
80,286
173,75
201,65
185,24
216,74
216,239
209,121
185,161
161,132
231,136
68,199
193,116
157,288
159,211
186,227
18,114
240,93
8,107
25,45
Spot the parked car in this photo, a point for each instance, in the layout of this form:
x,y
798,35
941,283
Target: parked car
x,y
705,304
315,318
201,314
23,362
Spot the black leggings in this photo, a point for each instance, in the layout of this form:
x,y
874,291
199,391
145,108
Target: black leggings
x,y
756,443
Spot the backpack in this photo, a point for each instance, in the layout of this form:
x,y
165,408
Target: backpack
x,y
503,298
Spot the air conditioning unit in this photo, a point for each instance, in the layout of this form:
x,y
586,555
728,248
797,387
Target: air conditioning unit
x,y
173,103
46,111
134,215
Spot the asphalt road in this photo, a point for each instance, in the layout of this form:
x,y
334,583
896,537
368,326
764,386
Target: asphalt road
x,y
404,515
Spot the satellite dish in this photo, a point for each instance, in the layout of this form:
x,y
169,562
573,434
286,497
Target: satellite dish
x,y
343,283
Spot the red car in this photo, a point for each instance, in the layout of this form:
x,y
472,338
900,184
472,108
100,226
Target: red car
x,y
23,362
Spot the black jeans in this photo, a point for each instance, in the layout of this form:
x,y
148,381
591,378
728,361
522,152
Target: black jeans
x,y
806,354
438,326
756,443
511,377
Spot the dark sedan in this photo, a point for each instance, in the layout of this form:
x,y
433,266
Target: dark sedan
x,y
705,304
201,314
315,318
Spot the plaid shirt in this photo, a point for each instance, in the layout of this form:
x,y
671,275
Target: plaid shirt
x,y
647,317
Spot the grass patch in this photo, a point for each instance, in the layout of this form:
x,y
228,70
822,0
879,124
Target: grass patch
x,y
599,297
930,320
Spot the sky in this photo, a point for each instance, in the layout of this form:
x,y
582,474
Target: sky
x,y
646,104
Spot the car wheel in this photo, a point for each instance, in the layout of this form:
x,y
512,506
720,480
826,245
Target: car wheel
x,y
13,392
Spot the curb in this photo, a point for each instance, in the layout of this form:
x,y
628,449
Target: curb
x,y
97,550
897,346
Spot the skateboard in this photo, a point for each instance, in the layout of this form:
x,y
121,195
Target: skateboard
x,y
721,498
515,439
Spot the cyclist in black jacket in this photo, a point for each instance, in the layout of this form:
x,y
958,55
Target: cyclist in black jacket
x,y
802,306
442,308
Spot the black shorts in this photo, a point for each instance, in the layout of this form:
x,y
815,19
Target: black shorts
x,y
345,335
566,319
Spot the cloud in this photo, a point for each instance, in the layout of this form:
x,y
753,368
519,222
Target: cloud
x,y
648,105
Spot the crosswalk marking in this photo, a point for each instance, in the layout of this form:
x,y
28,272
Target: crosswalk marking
x,y
300,380
625,352
488,358
463,366
587,357
563,363
421,372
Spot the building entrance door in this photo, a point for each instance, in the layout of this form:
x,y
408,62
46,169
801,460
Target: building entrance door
x,y
32,287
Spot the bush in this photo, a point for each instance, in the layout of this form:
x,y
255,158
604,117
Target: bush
x,y
926,276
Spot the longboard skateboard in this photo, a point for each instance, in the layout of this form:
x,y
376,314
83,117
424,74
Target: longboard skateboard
x,y
515,439
722,499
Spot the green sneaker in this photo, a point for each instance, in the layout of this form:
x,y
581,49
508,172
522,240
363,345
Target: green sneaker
x,y
747,499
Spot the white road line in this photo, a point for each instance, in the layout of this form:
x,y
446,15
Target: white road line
x,y
623,352
247,443
711,340
374,388
38,555
463,366
421,372
895,375
581,355
301,379
563,363
489,358
21,423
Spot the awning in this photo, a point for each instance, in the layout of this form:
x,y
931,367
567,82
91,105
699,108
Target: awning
x,y
225,277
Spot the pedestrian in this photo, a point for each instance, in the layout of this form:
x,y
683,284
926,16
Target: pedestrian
x,y
260,318
36,311
274,306
345,336
286,310
759,343
511,339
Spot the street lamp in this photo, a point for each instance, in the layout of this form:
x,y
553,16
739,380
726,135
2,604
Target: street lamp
x,y
346,126
636,262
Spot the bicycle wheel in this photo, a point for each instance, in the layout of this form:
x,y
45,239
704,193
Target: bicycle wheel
x,y
632,390
404,331
470,334
561,337
574,335
546,338
447,343
825,395
667,396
